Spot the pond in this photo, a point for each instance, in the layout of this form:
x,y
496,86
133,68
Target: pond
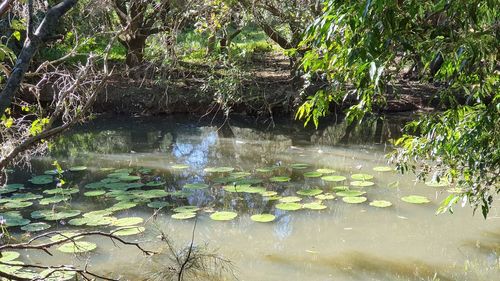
x,y
282,202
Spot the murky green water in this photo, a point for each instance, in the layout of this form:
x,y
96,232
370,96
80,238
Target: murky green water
x,y
341,242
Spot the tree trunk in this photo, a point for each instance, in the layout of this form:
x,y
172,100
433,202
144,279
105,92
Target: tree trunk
x,y
135,51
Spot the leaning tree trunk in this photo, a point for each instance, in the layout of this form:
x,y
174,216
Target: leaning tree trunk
x,y
135,51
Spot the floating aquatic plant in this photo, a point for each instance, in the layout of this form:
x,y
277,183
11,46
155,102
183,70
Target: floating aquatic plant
x,y
310,192
325,171
219,169
129,221
41,180
290,199
279,179
325,196
380,203
183,216
415,199
223,216
362,183
198,185
34,227
77,168
77,247
289,206
312,174
314,206
350,193
354,200
263,218
94,193
361,177
333,178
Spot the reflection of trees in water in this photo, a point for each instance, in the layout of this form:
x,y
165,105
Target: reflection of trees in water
x,y
370,131
103,142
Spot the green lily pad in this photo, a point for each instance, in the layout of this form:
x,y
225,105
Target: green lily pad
x,y
128,221
223,216
269,193
41,180
97,213
77,247
16,221
198,185
291,206
183,216
109,180
65,235
127,231
37,226
362,183
180,166
78,221
333,178
415,199
94,193
380,203
340,188
325,171
314,206
99,221
263,218
41,213
290,199
361,177
186,209
354,200
312,174
254,189
129,178
9,256
145,171
17,204
219,169
158,204
310,192
350,193
118,175
249,181
54,216
299,166
383,169
78,168
51,172
236,188
239,175
279,179
326,196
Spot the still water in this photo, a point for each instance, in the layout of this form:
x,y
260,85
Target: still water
x,y
342,242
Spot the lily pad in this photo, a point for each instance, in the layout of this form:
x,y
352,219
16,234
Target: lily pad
x,y
100,221
312,174
98,213
37,226
415,199
290,199
219,169
269,193
340,188
326,196
129,178
354,200
16,222
78,221
362,183
223,216
279,179
310,192
325,171
56,275
314,206
265,169
95,185
380,203
94,193
77,247
78,168
361,177
299,166
183,216
263,218
383,169
9,256
127,231
198,185
41,180
236,188
289,206
60,190
51,172
54,216
333,178
65,235
350,193
129,221
17,204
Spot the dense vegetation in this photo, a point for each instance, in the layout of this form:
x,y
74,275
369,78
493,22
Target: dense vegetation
x,y
359,53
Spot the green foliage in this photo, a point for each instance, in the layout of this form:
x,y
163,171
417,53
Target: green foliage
x,y
361,47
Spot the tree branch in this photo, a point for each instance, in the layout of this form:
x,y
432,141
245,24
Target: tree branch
x,y
31,45
5,6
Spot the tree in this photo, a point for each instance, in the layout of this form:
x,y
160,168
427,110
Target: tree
x,y
140,19
362,48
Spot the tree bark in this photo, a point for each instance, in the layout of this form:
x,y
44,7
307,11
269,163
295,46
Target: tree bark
x,y
31,46
5,6
135,51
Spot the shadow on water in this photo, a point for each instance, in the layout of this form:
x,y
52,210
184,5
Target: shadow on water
x,y
362,266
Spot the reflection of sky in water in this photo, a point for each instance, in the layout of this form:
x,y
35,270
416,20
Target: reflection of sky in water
x,y
195,155
284,227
